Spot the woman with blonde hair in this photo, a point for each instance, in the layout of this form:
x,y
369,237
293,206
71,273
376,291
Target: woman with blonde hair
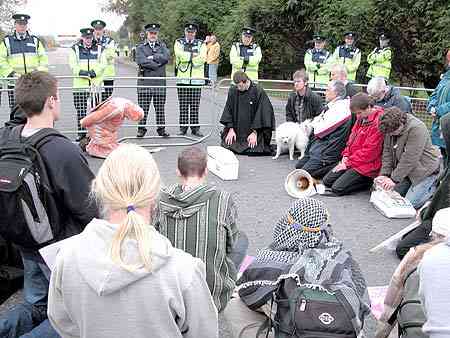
x,y
119,277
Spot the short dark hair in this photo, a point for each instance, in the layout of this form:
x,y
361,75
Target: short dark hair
x,y
392,119
301,74
192,161
33,89
361,101
240,76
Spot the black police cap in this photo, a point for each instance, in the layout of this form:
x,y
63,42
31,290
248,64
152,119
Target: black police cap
x,y
248,31
350,35
318,37
21,18
152,27
98,23
86,31
384,36
191,27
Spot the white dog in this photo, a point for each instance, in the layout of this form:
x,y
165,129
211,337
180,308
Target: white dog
x,y
291,135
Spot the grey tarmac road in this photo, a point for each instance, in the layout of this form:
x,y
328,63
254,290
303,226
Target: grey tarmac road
x,y
259,191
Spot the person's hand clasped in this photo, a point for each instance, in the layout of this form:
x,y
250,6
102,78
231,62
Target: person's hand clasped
x,y
252,139
231,137
385,182
340,166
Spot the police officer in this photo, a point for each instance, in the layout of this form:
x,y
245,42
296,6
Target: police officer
x,y
125,50
246,55
108,47
380,59
348,55
190,58
152,56
20,53
87,62
316,62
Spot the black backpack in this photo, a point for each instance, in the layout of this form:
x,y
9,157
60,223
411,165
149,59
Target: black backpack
x,y
29,212
311,312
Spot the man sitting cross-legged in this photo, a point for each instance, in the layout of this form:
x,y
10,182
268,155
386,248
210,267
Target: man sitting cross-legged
x,y
201,220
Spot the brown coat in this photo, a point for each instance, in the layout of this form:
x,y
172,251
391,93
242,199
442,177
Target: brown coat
x,y
213,53
410,154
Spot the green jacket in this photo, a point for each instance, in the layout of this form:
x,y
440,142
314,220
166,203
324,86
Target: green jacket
x,y
316,65
87,59
190,61
246,59
22,55
109,49
379,61
202,222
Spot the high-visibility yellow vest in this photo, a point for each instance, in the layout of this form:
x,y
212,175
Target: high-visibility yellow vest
x,y
86,59
380,63
246,59
316,65
22,55
109,48
190,58
350,57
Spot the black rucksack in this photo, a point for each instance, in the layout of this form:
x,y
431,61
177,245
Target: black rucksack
x,y
311,312
29,212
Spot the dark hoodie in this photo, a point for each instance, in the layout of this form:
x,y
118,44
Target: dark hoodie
x,y
440,200
394,99
202,222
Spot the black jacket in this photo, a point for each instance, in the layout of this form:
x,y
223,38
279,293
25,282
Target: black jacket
x,y
152,62
313,104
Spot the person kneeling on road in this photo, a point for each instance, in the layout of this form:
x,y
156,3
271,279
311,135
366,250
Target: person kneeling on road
x,y
361,159
410,163
202,220
330,133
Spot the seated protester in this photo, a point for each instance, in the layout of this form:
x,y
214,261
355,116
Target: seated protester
x,y
434,273
440,200
387,96
303,104
330,133
201,220
338,72
248,118
302,245
400,302
410,162
361,159
120,277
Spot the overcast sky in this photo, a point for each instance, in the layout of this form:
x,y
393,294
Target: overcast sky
x,y
54,17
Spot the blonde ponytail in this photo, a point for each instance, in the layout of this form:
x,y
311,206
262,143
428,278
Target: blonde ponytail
x,y
129,179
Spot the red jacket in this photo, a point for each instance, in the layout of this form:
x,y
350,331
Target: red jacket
x,y
365,145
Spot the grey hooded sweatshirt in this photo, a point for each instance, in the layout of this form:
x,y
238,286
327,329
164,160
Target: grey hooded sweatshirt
x,y
91,297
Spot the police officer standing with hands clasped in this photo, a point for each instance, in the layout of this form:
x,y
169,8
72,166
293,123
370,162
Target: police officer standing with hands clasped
x,y
380,60
21,53
87,63
348,55
108,48
316,62
246,55
152,56
190,58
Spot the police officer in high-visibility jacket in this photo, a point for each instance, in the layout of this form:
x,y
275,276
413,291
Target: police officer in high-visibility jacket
x,y
125,50
108,48
348,55
316,62
246,55
87,62
190,58
21,53
380,59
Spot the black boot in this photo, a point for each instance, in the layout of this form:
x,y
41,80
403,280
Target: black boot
x,y
183,131
196,132
141,132
162,132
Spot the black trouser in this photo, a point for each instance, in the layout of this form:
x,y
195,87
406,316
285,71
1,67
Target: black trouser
x,y
145,97
344,182
415,237
189,104
80,100
11,98
314,167
108,89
